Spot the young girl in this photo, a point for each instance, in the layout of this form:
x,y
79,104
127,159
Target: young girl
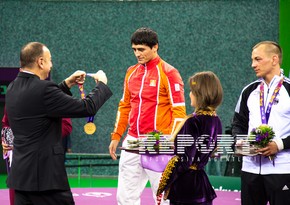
x,y
184,180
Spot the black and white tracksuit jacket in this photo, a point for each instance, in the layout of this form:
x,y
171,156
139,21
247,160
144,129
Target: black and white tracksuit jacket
x,y
247,116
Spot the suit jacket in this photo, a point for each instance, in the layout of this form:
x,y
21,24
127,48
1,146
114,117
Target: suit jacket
x,y
35,108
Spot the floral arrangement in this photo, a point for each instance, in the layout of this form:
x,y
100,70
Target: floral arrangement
x,y
155,150
155,136
261,136
152,142
7,138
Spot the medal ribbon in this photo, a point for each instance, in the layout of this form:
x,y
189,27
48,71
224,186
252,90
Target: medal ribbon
x,y
265,116
83,95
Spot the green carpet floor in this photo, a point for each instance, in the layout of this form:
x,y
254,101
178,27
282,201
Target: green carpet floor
x,y
218,182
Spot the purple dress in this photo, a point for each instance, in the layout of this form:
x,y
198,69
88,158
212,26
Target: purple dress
x,y
187,182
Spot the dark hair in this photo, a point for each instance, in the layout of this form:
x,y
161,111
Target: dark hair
x,y
144,36
30,52
271,47
207,89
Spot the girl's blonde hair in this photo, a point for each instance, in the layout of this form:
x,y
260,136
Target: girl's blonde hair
x,y
207,89
208,92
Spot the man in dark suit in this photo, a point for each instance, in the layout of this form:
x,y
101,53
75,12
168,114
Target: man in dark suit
x,y
35,107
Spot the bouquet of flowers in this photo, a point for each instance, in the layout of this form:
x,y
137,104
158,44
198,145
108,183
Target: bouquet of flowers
x,y
153,142
7,138
157,143
261,136
154,136
151,137
155,150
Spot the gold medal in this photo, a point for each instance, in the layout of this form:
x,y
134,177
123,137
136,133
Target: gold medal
x,y
90,128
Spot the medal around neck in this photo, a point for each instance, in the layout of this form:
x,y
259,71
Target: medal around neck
x,y
90,128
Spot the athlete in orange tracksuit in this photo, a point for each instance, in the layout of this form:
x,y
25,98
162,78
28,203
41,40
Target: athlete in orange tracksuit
x,y
153,99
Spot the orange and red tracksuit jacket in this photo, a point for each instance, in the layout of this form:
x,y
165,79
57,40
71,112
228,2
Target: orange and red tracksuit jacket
x,y
153,99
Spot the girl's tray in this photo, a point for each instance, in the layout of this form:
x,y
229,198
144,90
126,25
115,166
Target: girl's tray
x,y
132,150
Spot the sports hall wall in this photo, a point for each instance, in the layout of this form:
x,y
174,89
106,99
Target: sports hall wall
x,y
195,35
